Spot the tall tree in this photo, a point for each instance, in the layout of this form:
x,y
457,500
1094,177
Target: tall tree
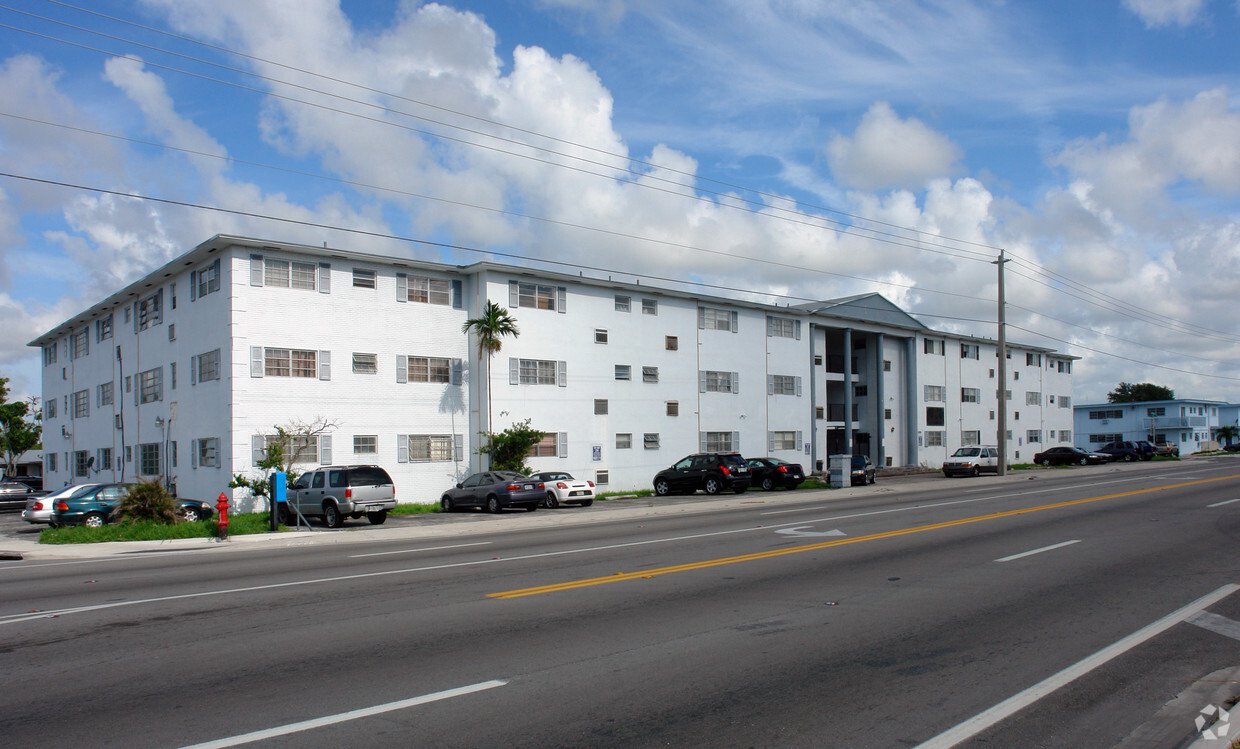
x,y
1228,433
1139,392
492,326
20,427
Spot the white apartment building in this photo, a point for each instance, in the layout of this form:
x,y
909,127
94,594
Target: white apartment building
x,y
185,373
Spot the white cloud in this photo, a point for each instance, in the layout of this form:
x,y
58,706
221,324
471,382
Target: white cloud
x,y
1160,13
888,152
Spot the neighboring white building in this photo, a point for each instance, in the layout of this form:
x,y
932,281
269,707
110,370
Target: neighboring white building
x,y
1185,422
184,373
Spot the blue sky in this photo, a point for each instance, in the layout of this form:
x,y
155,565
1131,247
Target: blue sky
x,y
786,150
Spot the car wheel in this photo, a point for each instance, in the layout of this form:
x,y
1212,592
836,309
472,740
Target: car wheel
x,y
1128,458
531,508
739,489
94,520
331,515
493,504
712,485
1082,461
377,518
874,478
587,503
551,502
191,515
768,483
445,505
1046,462
975,472
283,515
662,488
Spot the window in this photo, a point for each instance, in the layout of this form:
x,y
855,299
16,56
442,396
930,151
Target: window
x,y
717,382
650,440
970,395
887,414
429,448
1033,398
208,366
365,444
1033,360
207,452
783,440
934,439
105,458
934,416
712,318
650,374
673,408
430,369
172,332
288,274
623,303
208,280
1108,414
49,407
971,438
148,459
933,346
172,371
151,310
1065,401
533,295
601,478
363,278
784,385
81,404
50,459
970,351
105,394
650,306
536,372
624,372
782,327
671,343
282,362
1065,435
49,354
600,406
600,335
992,374
430,290
860,391
545,448
79,344
151,385
1065,367
934,393
79,463
1016,375
1033,436
365,363
304,448
886,365
713,442
1160,411
624,441
103,328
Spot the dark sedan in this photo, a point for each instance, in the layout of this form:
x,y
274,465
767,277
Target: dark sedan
x,y
1065,456
863,471
94,505
495,490
769,473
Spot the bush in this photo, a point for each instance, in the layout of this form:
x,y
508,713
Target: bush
x,y
148,502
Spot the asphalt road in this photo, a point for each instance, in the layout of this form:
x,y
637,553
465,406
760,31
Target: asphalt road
x,y
873,618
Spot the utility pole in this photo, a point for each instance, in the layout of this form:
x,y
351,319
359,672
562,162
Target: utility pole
x,y
1002,441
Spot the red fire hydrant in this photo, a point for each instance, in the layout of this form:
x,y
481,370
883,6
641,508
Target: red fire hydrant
x,y
221,506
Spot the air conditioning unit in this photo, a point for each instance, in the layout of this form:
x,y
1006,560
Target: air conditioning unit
x,y
116,419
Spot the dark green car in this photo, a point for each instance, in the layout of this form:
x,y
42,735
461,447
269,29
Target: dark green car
x,y
94,505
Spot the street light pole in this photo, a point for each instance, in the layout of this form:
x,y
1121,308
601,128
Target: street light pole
x,y
1002,436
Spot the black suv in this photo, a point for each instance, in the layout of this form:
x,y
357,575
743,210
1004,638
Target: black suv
x,y
710,472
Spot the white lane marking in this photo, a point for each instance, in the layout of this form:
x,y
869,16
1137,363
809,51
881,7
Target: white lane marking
x,y
800,531
413,551
1224,502
327,720
1215,623
1038,551
1017,702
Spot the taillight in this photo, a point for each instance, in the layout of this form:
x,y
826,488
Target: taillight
x,y
513,487
561,485
725,470
348,494
38,506
591,483
62,506
783,469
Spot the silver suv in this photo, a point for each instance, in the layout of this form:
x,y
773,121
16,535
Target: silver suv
x,y
336,492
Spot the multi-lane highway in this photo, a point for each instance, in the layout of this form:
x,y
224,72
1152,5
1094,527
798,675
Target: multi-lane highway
x,y
1050,608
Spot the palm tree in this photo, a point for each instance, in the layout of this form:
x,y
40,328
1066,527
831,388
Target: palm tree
x,y
1229,433
491,327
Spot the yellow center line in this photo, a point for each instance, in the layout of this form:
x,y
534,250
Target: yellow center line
x,y
644,574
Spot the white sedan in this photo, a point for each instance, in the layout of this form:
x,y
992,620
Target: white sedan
x,y
563,489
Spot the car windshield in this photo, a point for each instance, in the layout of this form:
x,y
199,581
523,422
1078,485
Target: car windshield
x,y
859,460
967,452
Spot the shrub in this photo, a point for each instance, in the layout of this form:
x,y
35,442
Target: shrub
x,y
150,502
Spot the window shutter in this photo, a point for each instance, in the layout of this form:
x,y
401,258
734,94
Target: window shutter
x,y
701,442
736,442
193,370
514,297
402,448
193,285
561,299
325,278
798,445
258,446
701,318
736,383
256,270
193,453
770,326
458,295
135,318
137,389
562,444
256,361
770,384
402,368
770,442
325,365
798,386
458,446
701,381
514,371
797,329
736,321
562,374
214,453
325,449
456,371
402,287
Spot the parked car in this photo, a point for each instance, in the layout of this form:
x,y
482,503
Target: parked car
x,y
710,472
334,493
1064,456
93,507
1232,448
1125,451
769,473
563,489
39,507
495,490
1167,450
194,510
13,494
972,460
34,482
862,471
